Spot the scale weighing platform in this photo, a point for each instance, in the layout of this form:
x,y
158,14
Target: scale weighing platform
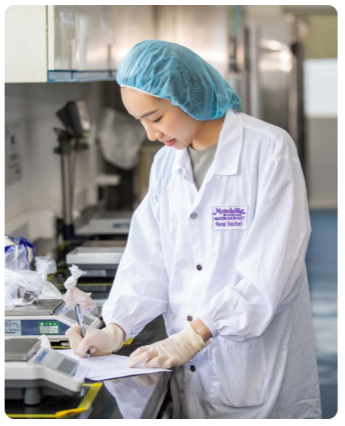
x,y
99,259
125,398
47,316
32,371
108,223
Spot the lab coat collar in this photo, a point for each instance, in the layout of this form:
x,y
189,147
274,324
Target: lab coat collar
x,y
229,148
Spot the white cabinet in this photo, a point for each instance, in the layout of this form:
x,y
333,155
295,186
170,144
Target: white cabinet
x,y
96,37
82,43
25,44
79,37
71,43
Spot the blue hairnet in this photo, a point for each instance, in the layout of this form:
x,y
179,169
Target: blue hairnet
x,y
171,71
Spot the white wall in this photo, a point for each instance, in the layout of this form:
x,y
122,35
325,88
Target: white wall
x,y
321,88
30,109
321,110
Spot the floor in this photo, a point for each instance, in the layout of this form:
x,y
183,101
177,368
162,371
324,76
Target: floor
x,y
322,273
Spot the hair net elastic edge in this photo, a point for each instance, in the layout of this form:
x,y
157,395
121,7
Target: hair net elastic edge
x,y
172,103
142,91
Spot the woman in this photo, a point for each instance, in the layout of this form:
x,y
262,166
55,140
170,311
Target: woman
x,y
217,246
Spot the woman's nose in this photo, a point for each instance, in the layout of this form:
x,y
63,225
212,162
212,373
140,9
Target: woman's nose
x,y
152,133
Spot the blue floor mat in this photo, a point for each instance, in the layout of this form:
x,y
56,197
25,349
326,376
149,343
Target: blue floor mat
x,y
322,272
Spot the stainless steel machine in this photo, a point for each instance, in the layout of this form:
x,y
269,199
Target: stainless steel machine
x,y
266,67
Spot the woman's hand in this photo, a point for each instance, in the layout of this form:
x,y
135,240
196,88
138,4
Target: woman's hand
x,y
100,342
201,329
174,351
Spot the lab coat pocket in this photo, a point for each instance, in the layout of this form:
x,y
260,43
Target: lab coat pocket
x,y
239,373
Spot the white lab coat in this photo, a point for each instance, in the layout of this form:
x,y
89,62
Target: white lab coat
x,y
249,233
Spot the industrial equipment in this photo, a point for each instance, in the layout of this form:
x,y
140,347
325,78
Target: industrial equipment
x,y
74,116
108,223
46,316
97,258
32,371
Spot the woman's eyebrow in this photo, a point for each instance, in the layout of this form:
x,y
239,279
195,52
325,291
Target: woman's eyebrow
x,y
148,113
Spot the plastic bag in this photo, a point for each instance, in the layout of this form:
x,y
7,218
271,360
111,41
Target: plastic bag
x,y
13,281
74,295
49,291
26,287
115,128
16,258
19,253
44,267
45,342
22,287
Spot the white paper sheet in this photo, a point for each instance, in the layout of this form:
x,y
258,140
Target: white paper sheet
x,y
109,366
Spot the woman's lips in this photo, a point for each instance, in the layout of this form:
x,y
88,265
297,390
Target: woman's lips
x,y
170,143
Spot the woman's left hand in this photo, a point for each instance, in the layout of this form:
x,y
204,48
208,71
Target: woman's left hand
x,y
176,350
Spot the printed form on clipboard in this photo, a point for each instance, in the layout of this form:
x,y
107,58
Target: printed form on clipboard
x,y
109,366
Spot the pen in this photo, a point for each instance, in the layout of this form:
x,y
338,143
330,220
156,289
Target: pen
x,y
80,320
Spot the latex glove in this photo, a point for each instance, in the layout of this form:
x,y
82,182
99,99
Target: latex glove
x,y
101,342
176,350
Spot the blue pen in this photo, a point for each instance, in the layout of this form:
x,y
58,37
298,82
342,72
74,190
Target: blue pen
x,y
80,320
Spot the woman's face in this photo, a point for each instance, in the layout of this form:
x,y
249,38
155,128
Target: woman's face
x,y
161,120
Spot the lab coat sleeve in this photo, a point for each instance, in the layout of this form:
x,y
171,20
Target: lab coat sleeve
x,y
270,265
140,290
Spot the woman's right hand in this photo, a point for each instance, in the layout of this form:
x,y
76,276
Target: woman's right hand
x,y
100,342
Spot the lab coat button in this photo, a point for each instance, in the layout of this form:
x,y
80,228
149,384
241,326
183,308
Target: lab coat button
x,y
199,267
192,368
189,318
194,215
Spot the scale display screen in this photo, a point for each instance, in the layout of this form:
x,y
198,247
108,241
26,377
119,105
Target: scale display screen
x,y
67,367
71,314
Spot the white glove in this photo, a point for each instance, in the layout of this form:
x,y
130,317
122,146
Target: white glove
x,y
176,350
100,342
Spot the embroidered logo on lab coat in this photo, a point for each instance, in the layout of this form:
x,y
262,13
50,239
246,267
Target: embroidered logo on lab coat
x,y
229,217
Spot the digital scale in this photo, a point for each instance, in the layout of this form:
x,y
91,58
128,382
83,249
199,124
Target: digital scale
x,y
32,372
98,259
108,223
46,316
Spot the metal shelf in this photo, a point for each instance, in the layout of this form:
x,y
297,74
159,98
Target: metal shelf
x,y
77,76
